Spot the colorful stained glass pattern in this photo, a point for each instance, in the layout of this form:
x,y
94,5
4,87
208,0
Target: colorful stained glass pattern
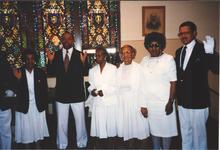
x,y
54,27
9,32
52,19
39,34
101,26
41,24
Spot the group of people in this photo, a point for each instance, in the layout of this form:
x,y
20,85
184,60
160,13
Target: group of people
x,y
26,91
132,101
135,101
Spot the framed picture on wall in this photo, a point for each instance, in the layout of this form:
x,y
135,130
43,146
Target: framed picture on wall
x,y
153,19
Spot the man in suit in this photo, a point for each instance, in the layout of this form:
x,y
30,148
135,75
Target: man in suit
x,y
68,66
7,95
193,60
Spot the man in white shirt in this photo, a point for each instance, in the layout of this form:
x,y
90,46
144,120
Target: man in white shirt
x,y
193,60
68,65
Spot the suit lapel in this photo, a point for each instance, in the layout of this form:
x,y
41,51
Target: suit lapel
x,y
60,60
193,56
35,79
25,84
178,57
72,58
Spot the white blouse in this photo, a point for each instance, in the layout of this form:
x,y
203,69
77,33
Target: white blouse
x,y
30,82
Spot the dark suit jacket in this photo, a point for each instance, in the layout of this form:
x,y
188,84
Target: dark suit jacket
x,y
40,89
70,84
192,84
7,82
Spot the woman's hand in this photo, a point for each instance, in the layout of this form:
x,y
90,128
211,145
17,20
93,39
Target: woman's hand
x,y
100,93
144,112
94,93
169,108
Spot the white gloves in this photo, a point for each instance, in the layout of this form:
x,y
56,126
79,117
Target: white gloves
x,y
9,93
209,44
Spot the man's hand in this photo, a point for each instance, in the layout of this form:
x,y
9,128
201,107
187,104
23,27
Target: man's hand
x,y
83,56
209,44
144,112
17,73
50,55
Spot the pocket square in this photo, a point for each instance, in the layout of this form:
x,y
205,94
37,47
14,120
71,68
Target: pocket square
x,y
197,60
10,93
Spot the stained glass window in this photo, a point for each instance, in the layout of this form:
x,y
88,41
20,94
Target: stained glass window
x,y
41,24
9,32
52,19
100,26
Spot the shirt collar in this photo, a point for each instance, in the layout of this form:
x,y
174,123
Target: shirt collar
x,y
69,50
27,72
129,64
191,44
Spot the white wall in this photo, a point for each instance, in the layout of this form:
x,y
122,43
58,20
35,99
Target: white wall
x,y
204,14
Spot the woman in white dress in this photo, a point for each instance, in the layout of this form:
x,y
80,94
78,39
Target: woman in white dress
x,y
160,84
103,97
32,93
131,123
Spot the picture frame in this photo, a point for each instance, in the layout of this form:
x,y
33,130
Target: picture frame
x,y
153,19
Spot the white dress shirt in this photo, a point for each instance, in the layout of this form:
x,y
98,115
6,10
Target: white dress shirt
x,y
189,50
69,52
30,82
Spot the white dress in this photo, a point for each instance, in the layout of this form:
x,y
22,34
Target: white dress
x,y
130,123
103,123
159,72
32,126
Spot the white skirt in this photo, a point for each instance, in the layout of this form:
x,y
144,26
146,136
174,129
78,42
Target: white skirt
x,y
103,122
131,123
162,125
30,127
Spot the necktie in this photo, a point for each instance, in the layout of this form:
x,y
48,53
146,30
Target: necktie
x,y
66,61
183,57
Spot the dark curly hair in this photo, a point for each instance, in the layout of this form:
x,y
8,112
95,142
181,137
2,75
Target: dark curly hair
x,y
155,37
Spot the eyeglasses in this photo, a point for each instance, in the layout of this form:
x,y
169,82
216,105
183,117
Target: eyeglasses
x,y
183,33
153,45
